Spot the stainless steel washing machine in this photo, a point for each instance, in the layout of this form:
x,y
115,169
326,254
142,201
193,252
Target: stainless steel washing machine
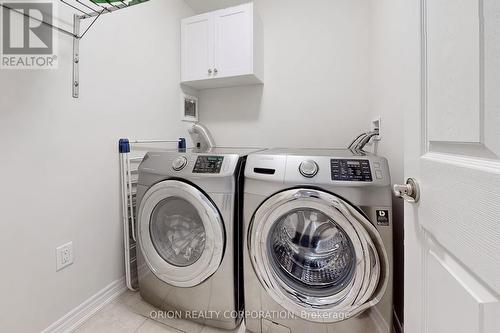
x,y
318,251
189,232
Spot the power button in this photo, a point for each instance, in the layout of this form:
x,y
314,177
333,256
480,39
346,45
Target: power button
x,y
179,163
308,168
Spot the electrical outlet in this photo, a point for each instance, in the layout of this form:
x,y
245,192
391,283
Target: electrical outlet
x,y
64,256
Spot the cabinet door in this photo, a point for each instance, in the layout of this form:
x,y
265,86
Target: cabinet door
x,y
234,41
197,51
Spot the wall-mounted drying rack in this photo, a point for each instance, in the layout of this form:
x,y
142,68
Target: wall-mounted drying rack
x,y
83,9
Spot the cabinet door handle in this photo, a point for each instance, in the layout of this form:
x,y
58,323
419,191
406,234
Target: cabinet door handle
x,y
209,71
215,71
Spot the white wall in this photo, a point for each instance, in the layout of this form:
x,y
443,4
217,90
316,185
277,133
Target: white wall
x,y
201,6
316,73
59,161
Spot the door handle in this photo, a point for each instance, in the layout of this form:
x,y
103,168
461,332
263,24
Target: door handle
x,y
409,192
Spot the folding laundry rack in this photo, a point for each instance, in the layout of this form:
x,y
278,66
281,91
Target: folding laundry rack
x,y
129,164
82,9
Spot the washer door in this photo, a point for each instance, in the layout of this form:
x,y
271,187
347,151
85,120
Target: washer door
x,y
181,233
317,256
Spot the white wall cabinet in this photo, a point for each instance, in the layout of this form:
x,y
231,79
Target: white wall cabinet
x,y
222,48
197,49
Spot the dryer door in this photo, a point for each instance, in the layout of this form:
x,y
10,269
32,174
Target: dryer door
x,y
317,256
181,234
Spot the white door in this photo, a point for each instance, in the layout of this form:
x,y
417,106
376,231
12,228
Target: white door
x,y
452,234
233,41
197,47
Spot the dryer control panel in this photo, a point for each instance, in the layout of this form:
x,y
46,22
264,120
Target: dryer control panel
x,y
318,167
351,170
208,164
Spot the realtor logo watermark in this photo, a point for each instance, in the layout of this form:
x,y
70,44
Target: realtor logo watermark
x,y
27,43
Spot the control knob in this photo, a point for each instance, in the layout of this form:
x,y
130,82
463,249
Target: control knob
x,y
308,168
179,163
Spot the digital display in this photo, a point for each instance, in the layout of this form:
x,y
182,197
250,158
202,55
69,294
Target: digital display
x,y
351,170
208,164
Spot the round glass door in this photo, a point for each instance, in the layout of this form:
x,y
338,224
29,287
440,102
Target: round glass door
x,y
311,252
317,256
177,232
180,233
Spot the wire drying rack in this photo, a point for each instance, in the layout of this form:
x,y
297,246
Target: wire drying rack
x,y
83,10
132,153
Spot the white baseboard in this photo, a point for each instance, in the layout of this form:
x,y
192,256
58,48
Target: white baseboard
x,y
76,317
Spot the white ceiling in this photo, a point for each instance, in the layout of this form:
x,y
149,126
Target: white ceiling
x,y
201,6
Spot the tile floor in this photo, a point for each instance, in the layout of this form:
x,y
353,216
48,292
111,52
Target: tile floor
x,y
130,314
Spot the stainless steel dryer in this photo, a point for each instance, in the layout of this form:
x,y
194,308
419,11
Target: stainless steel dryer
x,y
318,252
188,230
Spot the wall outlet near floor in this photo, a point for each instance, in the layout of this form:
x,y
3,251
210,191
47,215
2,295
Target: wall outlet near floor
x,y
64,256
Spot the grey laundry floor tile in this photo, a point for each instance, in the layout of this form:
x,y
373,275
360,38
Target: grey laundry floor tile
x,y
130,314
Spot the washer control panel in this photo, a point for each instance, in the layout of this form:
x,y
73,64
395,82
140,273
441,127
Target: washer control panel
x,y
351,170
208,164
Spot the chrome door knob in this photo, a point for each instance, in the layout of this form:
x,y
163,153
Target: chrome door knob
x,y
209,71
216,71
179,163
409,192
308,168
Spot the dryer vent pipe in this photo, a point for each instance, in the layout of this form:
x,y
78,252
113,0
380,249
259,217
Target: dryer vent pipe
x,y
205,137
